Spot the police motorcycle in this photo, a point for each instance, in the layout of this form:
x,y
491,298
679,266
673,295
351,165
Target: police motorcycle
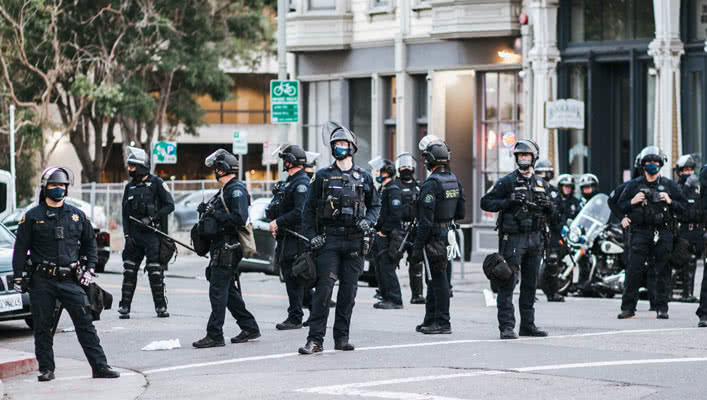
x,y
594,264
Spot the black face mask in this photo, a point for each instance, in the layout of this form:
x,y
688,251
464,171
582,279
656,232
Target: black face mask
x,y
136,175
683,178
406,175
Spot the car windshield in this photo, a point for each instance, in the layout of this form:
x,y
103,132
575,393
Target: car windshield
x,y
7,239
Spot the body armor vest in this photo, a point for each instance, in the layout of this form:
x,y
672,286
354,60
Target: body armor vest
x,y
343,199
410,193
446,202
141,199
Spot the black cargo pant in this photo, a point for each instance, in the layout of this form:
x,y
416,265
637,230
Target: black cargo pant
x,y
138,246
340,259
299,297
523,252
644,248
553,266
693,233
387,266
437,301
44,294
223,293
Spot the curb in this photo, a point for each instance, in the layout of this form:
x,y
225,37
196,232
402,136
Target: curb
x,y
13,363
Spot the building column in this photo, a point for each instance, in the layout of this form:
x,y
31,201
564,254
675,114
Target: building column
x,y
666,50
404,92
544,57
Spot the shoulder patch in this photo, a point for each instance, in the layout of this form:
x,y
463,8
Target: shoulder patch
x,y
165,186
75,217
237,193
302,188
428,198
396,203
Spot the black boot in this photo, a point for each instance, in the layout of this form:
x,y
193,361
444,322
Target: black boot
x,y
531,330
245,336
158,294
556,298
344,345
288,324
124,312
436,329
162,312
703,322
105,372
662,315
310,348
507,333
45,376
207,342
625,314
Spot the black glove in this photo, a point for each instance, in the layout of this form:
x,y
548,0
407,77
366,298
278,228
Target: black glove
x,y
317,242
202,208
20,284
518,198
545,204
364,225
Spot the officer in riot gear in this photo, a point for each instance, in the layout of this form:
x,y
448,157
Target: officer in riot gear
x,y
564,209
286,218
341,209
146,198
220,220
692,229
702,309
588,186
685,167
441,203
525,206
311,165
651,203
410,194
388,235
57,235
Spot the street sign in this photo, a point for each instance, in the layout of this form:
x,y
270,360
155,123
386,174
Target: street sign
x,y
268,149
164,153
284,102
240,142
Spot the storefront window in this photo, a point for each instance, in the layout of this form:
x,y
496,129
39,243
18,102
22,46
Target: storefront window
x,y
389,113
697,19
322,4
249,102
500,127
611,20
693,140
578,150
360,117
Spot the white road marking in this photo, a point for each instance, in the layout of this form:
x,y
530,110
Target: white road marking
x,y
490,298
403,346
354,389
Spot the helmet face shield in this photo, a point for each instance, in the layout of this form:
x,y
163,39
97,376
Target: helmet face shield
x,y
376,163
311,158
137,156
49,177
405,161
428,140
210,161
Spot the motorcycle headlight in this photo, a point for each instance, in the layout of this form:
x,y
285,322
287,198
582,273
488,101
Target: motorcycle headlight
x,y
574,237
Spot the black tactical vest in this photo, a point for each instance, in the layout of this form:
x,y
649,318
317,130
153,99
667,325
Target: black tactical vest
x,y
141,199
446,200
410,193
693,213
653,213
342,202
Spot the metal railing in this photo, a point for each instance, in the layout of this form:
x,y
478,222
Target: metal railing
x,y
103,201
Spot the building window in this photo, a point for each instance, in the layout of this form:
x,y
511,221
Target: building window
x,y
697,20
651,81
500,126
389,113
611,20
421,102
322,5
578,154
693,139
249,102
360,117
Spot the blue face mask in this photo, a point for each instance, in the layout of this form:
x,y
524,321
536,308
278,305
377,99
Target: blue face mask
x,y
341,152
652,168
380,179
56,194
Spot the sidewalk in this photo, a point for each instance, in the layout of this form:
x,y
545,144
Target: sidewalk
x,y
14,363
73,380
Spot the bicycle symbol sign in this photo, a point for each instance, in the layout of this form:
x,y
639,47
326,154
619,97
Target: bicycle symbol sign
x,y
284,101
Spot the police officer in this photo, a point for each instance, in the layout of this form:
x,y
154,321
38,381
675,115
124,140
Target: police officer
x,y
146,198
588,186
441,202
388,234
341,208
57,235
286,214
691,224
566,207
650,201
410,194
524,205
220,220
311,165
702,309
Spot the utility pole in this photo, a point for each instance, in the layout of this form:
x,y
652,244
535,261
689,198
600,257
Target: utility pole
x,y
282,10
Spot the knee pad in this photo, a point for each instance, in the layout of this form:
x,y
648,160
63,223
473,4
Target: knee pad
x,y
130,272
154,272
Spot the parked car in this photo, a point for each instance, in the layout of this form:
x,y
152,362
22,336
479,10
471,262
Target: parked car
x,y
185,214
14,305
102,237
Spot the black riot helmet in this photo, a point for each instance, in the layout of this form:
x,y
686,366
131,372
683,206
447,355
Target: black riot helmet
x,y
652,153
545,167
293,154
383,166
222,160
434,150
565,180
685,161
336,132
55,176
525,146
137,157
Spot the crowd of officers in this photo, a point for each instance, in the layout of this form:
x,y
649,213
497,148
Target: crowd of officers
x,y
342,214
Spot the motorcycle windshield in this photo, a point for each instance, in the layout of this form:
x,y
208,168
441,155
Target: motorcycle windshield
x,y
591,219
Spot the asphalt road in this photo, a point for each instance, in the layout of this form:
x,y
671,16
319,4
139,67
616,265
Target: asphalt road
x,y
589,355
